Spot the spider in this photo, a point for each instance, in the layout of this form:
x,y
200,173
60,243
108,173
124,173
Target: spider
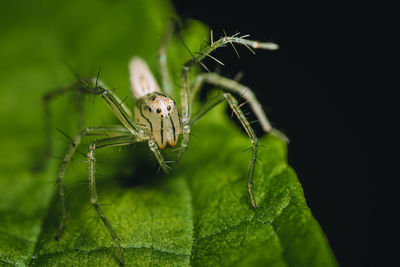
x,y
158,119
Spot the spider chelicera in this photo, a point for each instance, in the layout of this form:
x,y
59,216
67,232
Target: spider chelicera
x,y
157,118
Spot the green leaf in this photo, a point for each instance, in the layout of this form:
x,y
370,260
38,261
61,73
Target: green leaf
x,y
199,215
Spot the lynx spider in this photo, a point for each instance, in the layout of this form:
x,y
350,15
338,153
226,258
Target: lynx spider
x,y
157,119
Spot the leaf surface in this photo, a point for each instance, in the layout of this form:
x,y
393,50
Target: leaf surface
x,y
200,215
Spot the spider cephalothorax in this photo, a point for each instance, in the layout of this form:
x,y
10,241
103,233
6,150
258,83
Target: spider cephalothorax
x,y
158,114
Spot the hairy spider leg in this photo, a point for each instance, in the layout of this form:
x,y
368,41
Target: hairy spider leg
x,y
186,99
46,99
166,84
241,90
92,131
233,104
107,142
80,87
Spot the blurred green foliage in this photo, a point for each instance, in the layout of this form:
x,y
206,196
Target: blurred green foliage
x,y
199,215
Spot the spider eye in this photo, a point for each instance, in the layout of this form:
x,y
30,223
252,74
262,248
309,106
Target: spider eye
x,y
150,109
158,110
169,108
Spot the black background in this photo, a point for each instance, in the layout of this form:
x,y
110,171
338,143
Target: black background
x,y
318,89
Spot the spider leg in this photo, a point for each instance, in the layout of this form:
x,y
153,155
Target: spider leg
x,y
157,153
254,142
107,142
230,40
46,99
83,86
242,90
185,111
246,125
92,131
76,87
166,83
186,99
118,109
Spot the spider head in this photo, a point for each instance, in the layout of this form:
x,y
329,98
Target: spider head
x,y
159,115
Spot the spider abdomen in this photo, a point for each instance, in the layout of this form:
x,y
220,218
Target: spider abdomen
x,y
142,80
